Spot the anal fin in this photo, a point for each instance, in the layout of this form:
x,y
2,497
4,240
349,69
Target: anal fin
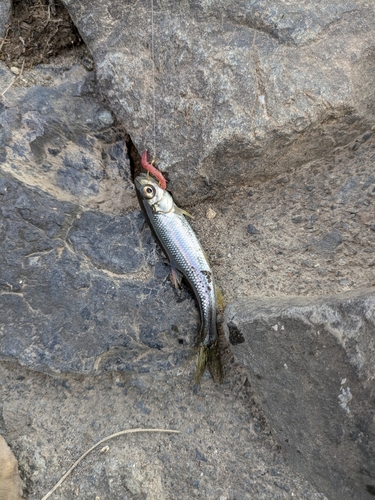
x,y
176,278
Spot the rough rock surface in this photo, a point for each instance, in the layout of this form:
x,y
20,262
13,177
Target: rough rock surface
x,y
311,362
5,6
80,286
88,305
311,232
224,451
56,132
10,482
242,89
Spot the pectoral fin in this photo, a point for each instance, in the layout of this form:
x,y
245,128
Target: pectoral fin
x,y
181,211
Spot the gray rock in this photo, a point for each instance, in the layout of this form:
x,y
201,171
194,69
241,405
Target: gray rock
x,y
251,229
79,292
328,243
5,9
61,136
242,89
311,362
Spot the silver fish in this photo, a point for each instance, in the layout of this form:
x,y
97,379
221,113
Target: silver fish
x,y
186,255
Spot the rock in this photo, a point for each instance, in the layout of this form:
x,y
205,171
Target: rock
x,y
328,243
78,284
297,220
60,136
79,290
251,229
210,214
5,10
311,363
10,481
221,452
241,89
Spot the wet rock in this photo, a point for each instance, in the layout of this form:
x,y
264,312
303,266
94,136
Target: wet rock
x,y
240,89
311,362
79,290
5,8
10,481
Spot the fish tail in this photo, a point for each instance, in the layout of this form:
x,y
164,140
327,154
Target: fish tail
x,y
209,356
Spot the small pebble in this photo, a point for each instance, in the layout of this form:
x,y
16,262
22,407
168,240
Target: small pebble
x,y
105,117
297,220
15,70
344,282
250,192
210,214
372,227
355,146
252,229
367,136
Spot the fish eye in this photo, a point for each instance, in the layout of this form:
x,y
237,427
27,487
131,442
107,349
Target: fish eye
x,y
149,192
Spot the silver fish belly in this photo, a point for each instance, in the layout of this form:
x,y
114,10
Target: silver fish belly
x,y
187,256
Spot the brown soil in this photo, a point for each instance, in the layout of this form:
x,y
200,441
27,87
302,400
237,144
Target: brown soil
x,y
38,31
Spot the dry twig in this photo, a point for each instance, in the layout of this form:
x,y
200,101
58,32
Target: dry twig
x,y
14,80
5,37
128,431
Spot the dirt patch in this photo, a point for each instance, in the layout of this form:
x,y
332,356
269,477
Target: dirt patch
x,y
38,31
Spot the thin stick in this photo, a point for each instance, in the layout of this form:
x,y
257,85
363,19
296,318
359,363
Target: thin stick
x,y
5,37
14,80
128,431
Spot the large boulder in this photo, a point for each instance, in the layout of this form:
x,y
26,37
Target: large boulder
x,y
242,89
80,290
311,362
83,289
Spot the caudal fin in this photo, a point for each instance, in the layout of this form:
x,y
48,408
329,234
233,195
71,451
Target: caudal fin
x,y
209,356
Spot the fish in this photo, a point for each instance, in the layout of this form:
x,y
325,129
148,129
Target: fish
x,y
187,258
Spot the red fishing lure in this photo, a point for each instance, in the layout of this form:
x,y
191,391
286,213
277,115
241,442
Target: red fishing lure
x,y
153,170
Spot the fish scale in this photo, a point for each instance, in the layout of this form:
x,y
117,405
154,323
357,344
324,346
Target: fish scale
x,y
186,255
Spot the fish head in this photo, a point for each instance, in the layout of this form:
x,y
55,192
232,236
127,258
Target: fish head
x,y
150,192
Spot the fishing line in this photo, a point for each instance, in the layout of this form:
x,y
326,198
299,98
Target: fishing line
x,y
153,78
